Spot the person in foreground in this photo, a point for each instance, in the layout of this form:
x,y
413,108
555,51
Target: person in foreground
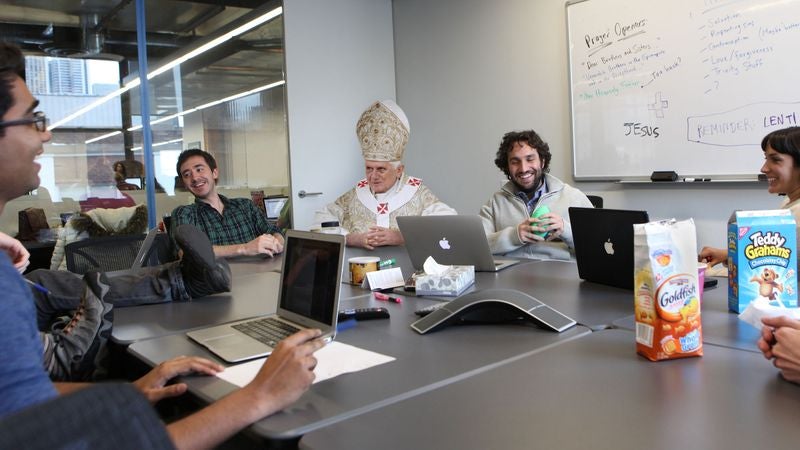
x,y
235,226
24,382
782,167
780,336
780,342
367,213
525,160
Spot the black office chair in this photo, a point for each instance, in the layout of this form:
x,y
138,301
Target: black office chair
x,y
115,253
596,200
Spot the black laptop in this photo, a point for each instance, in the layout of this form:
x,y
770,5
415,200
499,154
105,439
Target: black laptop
x,y
604,244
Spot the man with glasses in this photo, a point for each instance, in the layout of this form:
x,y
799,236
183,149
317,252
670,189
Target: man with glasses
x,y
39,120
23,381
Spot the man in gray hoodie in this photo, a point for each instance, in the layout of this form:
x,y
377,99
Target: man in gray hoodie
x,y
507,217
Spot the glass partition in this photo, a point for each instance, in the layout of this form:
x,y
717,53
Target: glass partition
x,y
216,82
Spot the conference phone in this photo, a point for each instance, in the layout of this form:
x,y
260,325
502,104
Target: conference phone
x,y
492,306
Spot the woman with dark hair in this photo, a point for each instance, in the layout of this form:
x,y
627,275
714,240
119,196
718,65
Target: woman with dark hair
x,y
780,336
782,168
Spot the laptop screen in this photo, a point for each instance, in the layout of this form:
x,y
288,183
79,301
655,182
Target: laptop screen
x,y
273,207
310,278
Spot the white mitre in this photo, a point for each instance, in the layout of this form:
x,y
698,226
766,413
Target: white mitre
x,y
383,131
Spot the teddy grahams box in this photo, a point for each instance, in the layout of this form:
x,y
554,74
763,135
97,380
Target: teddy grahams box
x,y
667,301
762,260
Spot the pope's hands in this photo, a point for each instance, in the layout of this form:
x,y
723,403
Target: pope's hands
x,y
375,237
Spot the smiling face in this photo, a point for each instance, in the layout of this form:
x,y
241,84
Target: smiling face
x,y
783,177
198,177
525,167
20,145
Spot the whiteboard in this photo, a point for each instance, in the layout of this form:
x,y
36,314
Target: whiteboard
x,y
685,85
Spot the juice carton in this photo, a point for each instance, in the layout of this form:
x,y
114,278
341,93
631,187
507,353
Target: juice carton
x,y
666,290
762,260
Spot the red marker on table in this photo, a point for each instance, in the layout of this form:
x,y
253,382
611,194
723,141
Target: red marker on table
x,y
385,298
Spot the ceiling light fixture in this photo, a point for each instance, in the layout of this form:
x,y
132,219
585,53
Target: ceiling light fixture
x,y
169,65
105,136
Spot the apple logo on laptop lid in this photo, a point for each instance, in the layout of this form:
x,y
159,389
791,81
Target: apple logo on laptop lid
x,y
444,243
609,247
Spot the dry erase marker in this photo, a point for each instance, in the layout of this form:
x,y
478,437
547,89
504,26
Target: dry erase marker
x,y
386,298
386,263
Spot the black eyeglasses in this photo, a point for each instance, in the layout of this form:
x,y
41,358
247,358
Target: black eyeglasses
x,y
39,120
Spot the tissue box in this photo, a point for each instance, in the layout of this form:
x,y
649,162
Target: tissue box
x,y
761,258
452,282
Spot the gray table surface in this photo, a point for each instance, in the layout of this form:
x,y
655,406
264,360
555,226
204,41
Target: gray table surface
x,y
423,363
593,392
720,326
556,283
251,295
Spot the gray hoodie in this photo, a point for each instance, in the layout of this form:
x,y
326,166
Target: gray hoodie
x,y
505,210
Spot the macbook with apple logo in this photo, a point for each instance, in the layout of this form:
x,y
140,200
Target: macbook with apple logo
x,y
603,241
451,240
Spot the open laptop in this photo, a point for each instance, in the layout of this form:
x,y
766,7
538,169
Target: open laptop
x,y
273,207
604,244
308,298
451,240
144,250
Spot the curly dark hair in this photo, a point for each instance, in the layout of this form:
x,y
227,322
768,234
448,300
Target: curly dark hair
x,y
186,154
12,65
786,141
529,137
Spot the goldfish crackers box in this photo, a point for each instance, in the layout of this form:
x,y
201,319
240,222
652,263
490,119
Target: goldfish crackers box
x,y
762,260
667,301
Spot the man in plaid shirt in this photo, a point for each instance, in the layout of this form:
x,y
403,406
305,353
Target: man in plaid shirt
x,y
235,226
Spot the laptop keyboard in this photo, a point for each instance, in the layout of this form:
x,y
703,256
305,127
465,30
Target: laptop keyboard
x,y
268,330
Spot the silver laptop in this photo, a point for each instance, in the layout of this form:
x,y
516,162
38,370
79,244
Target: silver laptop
x,y
604,244
451,240
144,250
309,298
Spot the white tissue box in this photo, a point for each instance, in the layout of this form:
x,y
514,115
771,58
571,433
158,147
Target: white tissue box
x,y
450,283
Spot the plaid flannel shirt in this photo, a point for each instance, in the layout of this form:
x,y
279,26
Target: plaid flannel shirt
x,y
241,221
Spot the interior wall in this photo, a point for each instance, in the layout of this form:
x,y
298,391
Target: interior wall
x,y
339,59
469,70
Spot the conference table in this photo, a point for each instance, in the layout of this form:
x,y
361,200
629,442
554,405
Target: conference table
x,y
593,392
502,385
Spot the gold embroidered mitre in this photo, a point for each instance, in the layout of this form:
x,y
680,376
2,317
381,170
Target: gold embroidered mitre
x,y
383,132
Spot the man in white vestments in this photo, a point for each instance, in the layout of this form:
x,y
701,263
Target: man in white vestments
x,y
367,212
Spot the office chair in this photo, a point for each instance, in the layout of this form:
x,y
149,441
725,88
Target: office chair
x,y
596,200
115,253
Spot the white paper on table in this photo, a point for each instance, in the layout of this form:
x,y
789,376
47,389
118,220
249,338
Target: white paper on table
x,y
334,359
761,307
384,279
